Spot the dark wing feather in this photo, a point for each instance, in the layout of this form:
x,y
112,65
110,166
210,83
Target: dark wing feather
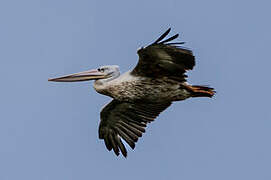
x,y
162,36
169,39
164,59
127,121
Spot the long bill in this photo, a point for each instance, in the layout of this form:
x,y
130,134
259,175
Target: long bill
x,y
81,76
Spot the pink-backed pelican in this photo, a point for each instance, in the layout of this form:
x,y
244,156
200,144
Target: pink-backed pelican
x,y
140,95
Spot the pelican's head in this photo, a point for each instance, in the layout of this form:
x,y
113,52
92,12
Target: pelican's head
x,y
103,72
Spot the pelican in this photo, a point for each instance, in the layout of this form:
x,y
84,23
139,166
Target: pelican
x,y
140,95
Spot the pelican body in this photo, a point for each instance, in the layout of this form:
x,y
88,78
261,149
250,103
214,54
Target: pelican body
x,y
128,87
140,95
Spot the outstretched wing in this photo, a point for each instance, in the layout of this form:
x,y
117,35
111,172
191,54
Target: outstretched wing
x,y
127,121
163,58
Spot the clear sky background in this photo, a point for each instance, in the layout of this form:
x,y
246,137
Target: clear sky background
x,y
48,131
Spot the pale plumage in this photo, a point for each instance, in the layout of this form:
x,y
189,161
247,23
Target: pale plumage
x,y
128,87
140,95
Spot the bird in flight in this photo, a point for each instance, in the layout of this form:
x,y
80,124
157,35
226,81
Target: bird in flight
x,y
140,95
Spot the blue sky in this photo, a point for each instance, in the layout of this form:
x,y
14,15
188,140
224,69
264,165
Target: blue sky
x,y
48,131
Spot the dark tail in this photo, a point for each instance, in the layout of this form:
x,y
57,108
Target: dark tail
x,y
200,91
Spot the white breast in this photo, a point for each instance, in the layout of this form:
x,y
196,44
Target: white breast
x,y
105,87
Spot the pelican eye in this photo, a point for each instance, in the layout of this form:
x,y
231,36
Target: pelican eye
x,y
100,69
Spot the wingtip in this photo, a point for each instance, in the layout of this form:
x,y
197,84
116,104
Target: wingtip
x,y
169,39
162,36
169,29
117,153
176,43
